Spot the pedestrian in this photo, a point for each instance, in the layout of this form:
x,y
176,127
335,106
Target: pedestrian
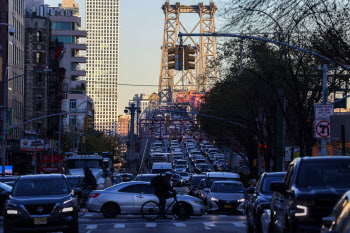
x,y
108,181
163,191
90,179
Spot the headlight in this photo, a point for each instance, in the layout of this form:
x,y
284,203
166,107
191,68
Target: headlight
x,y
214,199
241,200
301,211
12,212
67,209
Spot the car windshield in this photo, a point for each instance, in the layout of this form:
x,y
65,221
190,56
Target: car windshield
x,y
204,165
81,163
227,188
40,186
267,181
180,166
197,179
75,182
177,157
183,174
324,174
212,179
200,161
181,162
146,178
176,176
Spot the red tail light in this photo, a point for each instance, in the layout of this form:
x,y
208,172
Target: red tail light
x,y
94,195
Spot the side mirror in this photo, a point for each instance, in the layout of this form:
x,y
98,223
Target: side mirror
x,y
77,192
5,194
251,190
279,187
207,190
328,221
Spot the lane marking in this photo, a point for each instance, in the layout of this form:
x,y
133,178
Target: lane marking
x,y
151,224
239,224
91,227
119,225
209,224
179,224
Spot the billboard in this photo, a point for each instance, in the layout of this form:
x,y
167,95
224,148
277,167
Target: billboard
x,y
29,145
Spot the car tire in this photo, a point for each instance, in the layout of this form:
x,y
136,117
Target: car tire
x,y
110,210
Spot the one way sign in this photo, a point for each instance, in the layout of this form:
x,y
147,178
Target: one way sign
x,y
323,129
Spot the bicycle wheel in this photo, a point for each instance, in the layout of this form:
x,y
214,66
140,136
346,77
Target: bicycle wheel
x,y
182,211
150,210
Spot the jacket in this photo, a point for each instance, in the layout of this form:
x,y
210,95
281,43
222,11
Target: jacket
x,y
90,178
163,187
108,182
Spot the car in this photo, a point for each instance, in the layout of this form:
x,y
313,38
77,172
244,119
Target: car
x,y
198,192
309,191
339,220
176,180
117,179
180,168
259,199
210,177
225,196
199,161
182,162
194,181
128,198
145,177
131,176
3,188
202,167
41,203
185,177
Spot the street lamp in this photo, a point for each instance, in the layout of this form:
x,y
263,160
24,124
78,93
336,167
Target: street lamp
x,y
12,30
4,120
132,110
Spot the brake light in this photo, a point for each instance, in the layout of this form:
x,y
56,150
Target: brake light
x,y
94,195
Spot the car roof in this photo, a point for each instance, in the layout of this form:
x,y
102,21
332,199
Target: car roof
x,y
325,158
227,181
275,173
222,174
147,175
41,176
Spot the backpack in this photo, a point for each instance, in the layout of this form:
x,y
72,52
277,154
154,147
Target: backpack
x,y
156,181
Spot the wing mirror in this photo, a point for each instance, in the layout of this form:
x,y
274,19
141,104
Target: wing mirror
x,y
77,192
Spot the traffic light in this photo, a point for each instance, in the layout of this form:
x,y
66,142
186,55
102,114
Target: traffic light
x,y
189,60
175,58
87,123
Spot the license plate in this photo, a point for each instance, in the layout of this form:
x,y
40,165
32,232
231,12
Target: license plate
x,y
227,206
40,221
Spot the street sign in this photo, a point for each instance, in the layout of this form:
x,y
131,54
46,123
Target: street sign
x,y
323,111
323,129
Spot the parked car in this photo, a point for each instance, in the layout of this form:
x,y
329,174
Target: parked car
x,y
128,198
3,198
41,203
225,196
194,181
309,191
259,199
339,220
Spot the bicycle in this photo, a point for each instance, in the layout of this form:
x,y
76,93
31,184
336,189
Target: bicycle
x,y
83,198
151,210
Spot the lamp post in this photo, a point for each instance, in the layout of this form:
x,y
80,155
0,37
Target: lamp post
x,y
4,132
132,110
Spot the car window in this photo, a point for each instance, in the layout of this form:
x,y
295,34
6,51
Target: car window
x,y
267,181
143,188
128,189
227,188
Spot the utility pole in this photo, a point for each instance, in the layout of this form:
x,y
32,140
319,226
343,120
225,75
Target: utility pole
x,y
324,101
132,110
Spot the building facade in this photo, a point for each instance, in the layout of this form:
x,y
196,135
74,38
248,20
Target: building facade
x,y
141,101
66,22
12,54
123,125
102,25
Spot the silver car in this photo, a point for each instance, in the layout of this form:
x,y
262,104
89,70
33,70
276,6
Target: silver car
x,y
128,198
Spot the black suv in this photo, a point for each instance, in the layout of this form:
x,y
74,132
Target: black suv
x,y
260,199
41,203
308,193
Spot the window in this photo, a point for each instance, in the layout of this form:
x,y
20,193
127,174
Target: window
x,y
38,36
65,39
138,188
72,104
38,57
72,121
64,26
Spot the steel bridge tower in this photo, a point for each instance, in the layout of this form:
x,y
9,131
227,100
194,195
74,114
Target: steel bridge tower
x,y
205,75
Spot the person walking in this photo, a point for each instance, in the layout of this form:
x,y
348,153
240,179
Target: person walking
x,y
90,179
108,181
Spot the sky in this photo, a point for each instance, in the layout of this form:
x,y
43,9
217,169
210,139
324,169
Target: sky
x,y
141,27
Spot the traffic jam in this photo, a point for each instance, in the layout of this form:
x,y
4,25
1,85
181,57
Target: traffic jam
x,y
311,196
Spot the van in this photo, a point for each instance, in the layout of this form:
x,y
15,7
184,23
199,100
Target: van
x,y
158,168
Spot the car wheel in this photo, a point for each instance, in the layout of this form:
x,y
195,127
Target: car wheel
x,y
110,210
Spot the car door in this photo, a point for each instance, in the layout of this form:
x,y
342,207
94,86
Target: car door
x,y
143,193
126,199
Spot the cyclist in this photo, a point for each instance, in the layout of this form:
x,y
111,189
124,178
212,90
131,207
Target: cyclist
x,y
163,191
90,179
